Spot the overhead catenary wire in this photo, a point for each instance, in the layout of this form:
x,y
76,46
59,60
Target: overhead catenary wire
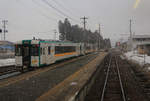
x,y
63,7
38,4
56,9
59,11
51,6
39,12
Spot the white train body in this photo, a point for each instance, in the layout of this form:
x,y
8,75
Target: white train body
x,y
36,53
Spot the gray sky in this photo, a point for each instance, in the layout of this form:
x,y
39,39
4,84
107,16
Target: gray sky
x,y
28,18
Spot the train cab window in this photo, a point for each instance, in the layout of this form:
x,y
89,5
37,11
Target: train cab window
x,y
18,50
26,51
49,50
34,50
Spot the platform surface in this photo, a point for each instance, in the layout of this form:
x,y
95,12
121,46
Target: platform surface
x,y
39,85
67,90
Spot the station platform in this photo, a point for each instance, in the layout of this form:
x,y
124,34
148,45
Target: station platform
x,y
52,84
70,87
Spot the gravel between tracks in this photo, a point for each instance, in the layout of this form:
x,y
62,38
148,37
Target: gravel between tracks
x,y
132,88
30,89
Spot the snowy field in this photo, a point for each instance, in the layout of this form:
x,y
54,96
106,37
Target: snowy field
x,y
6,62
133,55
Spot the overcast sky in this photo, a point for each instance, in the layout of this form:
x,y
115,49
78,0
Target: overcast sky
x,y
28,18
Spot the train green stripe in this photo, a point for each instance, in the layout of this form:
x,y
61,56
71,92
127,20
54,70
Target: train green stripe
x,y
39,55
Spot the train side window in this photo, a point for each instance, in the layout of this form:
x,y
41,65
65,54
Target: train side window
x,y
49,50
59,49
64,49
70,49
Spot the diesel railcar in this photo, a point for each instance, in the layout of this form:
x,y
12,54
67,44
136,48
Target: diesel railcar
x,y
37,53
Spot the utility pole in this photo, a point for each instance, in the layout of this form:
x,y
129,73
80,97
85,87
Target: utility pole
x,y
55,34
1,33
99,42
131,46
84,23
130,28
4,28
99,29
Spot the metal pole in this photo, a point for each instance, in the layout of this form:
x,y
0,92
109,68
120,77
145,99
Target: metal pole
x,y
130,28
4,26
131,34
144,57
55,34
100,36
84,23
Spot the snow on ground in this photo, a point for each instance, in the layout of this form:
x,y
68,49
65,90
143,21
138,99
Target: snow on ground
x,y
6,62
133,55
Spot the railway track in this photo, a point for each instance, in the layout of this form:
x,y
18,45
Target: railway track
x,y
117,81
7,69
113,89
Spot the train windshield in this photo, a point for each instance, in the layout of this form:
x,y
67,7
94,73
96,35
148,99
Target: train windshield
x,y
34,50
18,50
26,51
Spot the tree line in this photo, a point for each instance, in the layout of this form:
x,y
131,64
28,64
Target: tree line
x,y
76,34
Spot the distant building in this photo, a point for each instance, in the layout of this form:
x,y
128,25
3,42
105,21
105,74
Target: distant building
x,y
123,46
140,40
141,43
6,46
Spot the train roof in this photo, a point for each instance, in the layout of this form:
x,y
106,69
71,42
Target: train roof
x,y
43,41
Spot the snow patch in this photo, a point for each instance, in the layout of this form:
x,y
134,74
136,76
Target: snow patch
x,y
7,62
73,83
148,68
139,58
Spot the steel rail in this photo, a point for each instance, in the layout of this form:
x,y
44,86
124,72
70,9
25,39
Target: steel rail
x,y
122,89
104,88
7,69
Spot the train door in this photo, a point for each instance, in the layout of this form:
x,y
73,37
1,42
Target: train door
x,y
26,55
78,50
46,55
43,56
49,58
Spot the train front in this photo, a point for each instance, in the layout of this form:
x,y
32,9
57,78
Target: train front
x,y
25,53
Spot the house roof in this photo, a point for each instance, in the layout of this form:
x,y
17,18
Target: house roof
x,y
140,36
6,43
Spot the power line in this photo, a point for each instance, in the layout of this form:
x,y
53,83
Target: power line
x,y
50,5
66,9
39,11
35,2
48,17
59,11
